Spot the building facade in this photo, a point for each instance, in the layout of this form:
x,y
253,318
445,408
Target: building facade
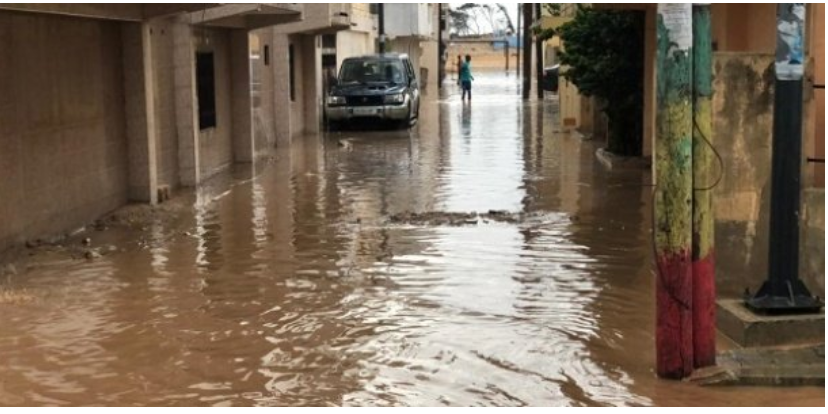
x,y
101,105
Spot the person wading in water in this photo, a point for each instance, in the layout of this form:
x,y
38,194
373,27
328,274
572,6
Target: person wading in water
x,y
466,78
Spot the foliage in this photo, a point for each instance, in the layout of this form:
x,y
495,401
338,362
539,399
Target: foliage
x,y
474,18
562,9
554,9
459,21
543,34
604,57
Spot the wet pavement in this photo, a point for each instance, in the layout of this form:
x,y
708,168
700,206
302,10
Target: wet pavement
x,y
334,275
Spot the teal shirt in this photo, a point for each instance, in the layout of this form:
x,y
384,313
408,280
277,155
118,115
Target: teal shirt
x,y
465,72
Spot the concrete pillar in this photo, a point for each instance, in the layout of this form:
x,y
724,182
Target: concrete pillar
x,y
281,89
312,83
242,99
186,105
140,113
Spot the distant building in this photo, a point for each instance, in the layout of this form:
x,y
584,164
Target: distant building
x,y
413,29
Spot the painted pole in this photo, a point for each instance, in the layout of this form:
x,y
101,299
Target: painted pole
x,y
527,50
674,191
506,53
783,291
381,26
518,36
704,287
538,55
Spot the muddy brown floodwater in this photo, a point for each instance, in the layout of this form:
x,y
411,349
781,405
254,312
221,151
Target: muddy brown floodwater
x,y
291,285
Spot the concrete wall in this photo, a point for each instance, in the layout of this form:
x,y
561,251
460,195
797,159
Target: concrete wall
x,y
750,28
812,242
744,27
429,65
484,56
817,123
743,122
63,152
743,115
350,43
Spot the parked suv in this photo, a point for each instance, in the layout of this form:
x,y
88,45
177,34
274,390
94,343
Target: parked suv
x,y
381,87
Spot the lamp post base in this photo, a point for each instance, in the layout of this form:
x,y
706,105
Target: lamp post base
x,y
791,299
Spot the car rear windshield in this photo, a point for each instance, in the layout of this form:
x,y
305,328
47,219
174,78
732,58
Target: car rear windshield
x,y
372,70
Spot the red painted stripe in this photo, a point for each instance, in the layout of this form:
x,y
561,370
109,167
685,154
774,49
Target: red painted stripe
x,y
704,312
674,316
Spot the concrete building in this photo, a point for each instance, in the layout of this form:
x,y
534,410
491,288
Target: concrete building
x,y
297,61
413,29
101,105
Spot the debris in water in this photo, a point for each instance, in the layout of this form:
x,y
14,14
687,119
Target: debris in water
x,y
437,218
15,297
8,270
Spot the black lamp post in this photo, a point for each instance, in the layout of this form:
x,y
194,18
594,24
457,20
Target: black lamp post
x,y
783,291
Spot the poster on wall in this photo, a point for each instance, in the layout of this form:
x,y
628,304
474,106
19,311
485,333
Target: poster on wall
x,y
678,20
790,56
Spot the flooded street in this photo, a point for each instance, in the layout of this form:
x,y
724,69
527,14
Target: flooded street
x,y
291,285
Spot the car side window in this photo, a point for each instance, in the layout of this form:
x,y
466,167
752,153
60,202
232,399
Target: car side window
x,y
410,68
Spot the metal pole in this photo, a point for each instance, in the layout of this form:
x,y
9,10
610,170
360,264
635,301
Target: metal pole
x,y
704,286
506,51
674,191
527,50
783,291
538,56
518,36
381,26
441,46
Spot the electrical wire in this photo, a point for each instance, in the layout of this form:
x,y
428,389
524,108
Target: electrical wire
x,y
716,153
659,272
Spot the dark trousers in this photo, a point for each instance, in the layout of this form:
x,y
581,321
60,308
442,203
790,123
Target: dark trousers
x,y
466,86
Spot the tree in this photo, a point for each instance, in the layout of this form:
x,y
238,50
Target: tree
x,y
459,22
505,12
604,57
474,19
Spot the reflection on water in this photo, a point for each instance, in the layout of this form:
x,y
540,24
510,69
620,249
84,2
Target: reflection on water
x,y
291,288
